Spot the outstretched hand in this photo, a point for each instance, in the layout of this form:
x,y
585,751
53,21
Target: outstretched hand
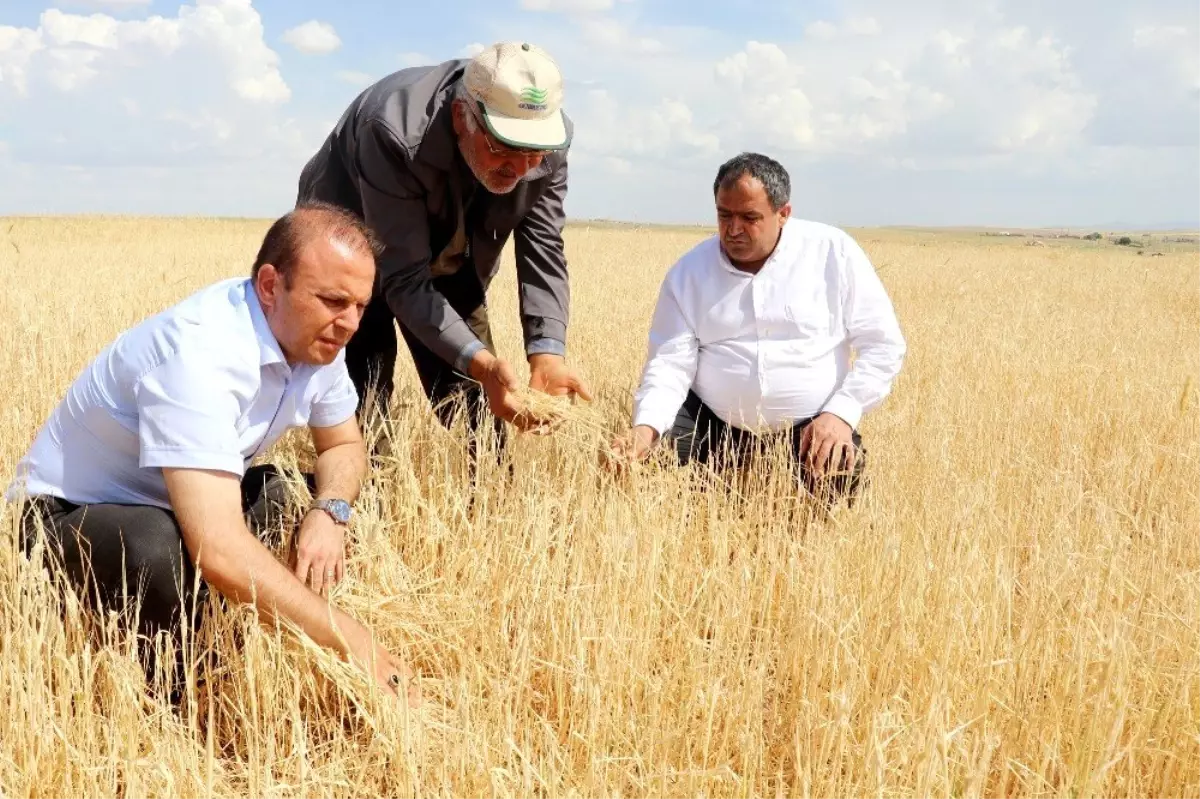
x,y
631,447
500,385
551,375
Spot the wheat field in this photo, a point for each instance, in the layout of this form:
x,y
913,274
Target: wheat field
x,y
1011,611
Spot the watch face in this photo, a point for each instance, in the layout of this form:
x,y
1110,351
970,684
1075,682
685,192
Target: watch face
x,y
340,509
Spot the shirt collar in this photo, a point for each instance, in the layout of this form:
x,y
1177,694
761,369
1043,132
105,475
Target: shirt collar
x,y
268,348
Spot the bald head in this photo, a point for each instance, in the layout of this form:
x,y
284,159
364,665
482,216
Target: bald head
x,y
307,224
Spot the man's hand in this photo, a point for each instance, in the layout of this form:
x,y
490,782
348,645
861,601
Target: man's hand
x,y
827,441
500,384
237,565
320,552
633,446
391,673
550,374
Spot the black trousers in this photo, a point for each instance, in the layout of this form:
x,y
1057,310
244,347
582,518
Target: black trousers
x,y
117,553
371,355
700,435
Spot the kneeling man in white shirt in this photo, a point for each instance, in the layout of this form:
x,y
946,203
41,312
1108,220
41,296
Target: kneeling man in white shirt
x,y
142,473
752,337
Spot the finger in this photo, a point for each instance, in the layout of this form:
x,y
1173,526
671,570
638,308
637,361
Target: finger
x,y
408,682
508,378
327,574
851,456
806,440
318,576
303,564
810,443
837,457
339,569
824,448
581,389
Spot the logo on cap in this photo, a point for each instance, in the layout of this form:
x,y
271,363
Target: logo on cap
x,y
533,99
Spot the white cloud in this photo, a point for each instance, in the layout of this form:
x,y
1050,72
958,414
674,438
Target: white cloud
x,y
824,30
204,87
895,110
617,130
821,29
863,26
221,38
17,49
616,37
961,93
471,50
313,38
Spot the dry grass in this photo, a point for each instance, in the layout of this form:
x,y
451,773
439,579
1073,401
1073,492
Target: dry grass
x,y
1013,611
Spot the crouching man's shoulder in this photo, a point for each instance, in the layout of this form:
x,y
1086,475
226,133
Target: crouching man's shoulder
x,y
822,233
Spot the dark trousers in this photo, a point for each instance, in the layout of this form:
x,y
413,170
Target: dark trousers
x,y
113,554
700,435
371,355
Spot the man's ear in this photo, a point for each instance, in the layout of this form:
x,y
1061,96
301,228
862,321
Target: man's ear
x,y
268,284
785,211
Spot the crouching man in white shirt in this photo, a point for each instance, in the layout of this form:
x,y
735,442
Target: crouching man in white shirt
x,y
752,339
140,474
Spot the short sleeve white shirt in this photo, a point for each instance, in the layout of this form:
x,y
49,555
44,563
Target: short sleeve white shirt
x,y
202,385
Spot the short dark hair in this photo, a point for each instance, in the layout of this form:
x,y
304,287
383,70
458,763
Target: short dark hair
x,y
769,172
284,239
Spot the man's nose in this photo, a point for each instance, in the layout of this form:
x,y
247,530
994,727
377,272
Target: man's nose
x,y
526,163
349,319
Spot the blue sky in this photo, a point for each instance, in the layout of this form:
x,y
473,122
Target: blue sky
x,y
929,112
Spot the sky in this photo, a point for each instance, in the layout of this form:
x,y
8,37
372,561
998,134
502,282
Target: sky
x,y
1016,113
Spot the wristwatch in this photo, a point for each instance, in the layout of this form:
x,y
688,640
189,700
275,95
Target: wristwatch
x,y
339,509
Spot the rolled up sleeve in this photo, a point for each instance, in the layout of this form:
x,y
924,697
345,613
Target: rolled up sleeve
x,y
394,208
670,364
545,290
187,415
338,401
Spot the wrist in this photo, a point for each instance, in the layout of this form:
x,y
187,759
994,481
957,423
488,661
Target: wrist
x,y
540,359
481,364
646,435
336,508
350,634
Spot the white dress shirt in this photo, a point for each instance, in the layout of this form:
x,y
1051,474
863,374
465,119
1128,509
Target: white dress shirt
x,y
202,385
769,349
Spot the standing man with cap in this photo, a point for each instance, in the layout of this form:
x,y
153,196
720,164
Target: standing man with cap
x,y
445,163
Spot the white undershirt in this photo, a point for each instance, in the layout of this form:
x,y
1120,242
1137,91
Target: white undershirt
x,y
766,350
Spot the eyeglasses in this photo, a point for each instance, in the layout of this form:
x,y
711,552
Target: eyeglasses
x,y
497,149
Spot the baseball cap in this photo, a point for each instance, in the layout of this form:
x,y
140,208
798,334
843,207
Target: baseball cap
x,y
519,89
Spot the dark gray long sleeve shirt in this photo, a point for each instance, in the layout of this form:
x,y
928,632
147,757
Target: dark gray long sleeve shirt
x,y
393,158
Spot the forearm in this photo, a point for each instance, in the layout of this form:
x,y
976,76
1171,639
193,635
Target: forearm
x,y
245,571
867,384
340,471
428,315
664,387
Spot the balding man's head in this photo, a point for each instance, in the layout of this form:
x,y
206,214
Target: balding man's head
x,y
314,275
289,234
